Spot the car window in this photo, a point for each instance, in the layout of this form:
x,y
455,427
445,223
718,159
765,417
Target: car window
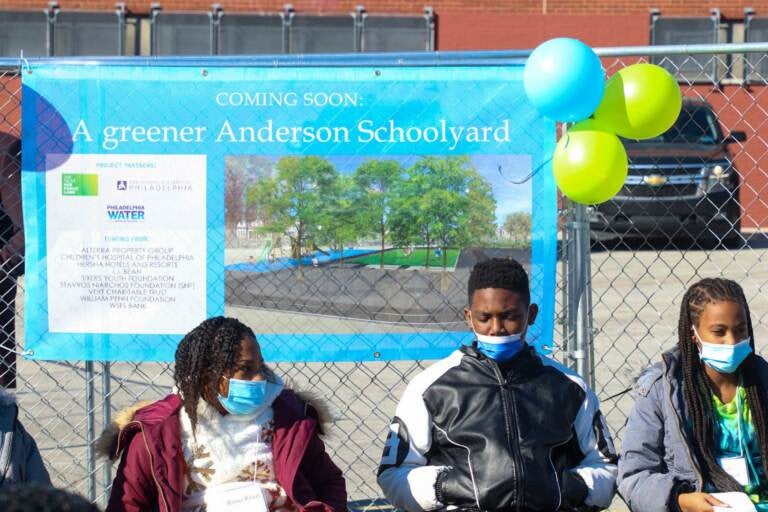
x,y
696,125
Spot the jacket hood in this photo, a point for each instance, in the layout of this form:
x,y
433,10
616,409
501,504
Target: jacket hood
x,y
6,397
154,412
8,414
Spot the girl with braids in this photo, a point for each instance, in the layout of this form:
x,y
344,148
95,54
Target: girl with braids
x,y
699,425
230,438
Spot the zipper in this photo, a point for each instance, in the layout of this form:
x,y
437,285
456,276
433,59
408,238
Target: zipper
x,y
151,462
507,403
668,383
554,470
469,463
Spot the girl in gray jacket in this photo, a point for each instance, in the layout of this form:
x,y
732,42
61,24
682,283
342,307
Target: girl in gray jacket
x,y
700,421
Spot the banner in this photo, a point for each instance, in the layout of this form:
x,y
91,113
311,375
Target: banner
x,y
336,211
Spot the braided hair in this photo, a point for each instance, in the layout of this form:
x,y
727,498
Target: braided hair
x,y
205,354
696,385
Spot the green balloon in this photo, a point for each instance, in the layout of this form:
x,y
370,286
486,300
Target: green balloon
x,y
641,101
590,166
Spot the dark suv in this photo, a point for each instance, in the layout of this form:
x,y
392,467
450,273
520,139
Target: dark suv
x,y
681,184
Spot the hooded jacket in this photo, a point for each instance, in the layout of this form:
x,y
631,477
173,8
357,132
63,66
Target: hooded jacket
x,y
152,469
20,460
657,459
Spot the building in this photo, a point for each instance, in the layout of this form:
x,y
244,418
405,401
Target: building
x,y
232,27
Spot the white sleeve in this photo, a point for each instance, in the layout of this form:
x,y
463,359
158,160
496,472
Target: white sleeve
x,y
598,468
405,477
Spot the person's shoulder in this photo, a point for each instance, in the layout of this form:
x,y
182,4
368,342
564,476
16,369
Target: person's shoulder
x,y
647,379
130,420
413,403
7,399
157,411
296,405
8,410
432,373
568,373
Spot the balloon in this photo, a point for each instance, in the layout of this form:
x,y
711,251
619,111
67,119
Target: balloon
x,y
641,101
590,165
564,80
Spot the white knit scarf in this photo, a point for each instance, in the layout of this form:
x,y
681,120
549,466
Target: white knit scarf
x,y
230,448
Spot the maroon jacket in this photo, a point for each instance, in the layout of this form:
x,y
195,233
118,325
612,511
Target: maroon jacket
x,y
152,470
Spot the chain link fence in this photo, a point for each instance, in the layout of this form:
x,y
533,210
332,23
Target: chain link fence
x,y
692,207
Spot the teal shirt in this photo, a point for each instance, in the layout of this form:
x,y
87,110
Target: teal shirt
x,y
729,444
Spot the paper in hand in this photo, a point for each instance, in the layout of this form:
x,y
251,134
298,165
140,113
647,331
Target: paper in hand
x,y
738,501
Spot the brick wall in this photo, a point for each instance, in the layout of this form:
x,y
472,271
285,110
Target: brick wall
x,y
743,109
486,31
730,8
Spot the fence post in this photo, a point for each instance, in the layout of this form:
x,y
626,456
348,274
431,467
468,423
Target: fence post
x,y
565,251
217,11
91,430
579,287
50,42
106,393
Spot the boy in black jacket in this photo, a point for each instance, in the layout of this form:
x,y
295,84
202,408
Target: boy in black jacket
x,y
495,425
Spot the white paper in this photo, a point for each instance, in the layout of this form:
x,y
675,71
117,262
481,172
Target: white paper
x,y
229,497
129,256
736,467
738,501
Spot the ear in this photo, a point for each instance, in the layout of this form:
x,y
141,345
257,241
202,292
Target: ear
x,y
693,337
209,394
468,317
533,312
222,386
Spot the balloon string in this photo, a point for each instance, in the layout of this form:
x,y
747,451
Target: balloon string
x,y
537,169
528,176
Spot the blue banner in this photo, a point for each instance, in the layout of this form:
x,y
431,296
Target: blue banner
x,y
337,211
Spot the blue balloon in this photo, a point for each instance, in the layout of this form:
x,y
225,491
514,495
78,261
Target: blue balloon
x,y
564,79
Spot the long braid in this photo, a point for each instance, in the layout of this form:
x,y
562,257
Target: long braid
x,y
755,395
205,354
696,385
700,410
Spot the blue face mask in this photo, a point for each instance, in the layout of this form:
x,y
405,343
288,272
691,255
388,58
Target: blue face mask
x,y
723,358
500,348
250,397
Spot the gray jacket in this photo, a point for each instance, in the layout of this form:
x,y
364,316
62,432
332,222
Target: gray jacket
x,y
20,460
656,454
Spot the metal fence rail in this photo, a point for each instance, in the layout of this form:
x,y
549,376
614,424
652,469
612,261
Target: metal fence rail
x,y
622,271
